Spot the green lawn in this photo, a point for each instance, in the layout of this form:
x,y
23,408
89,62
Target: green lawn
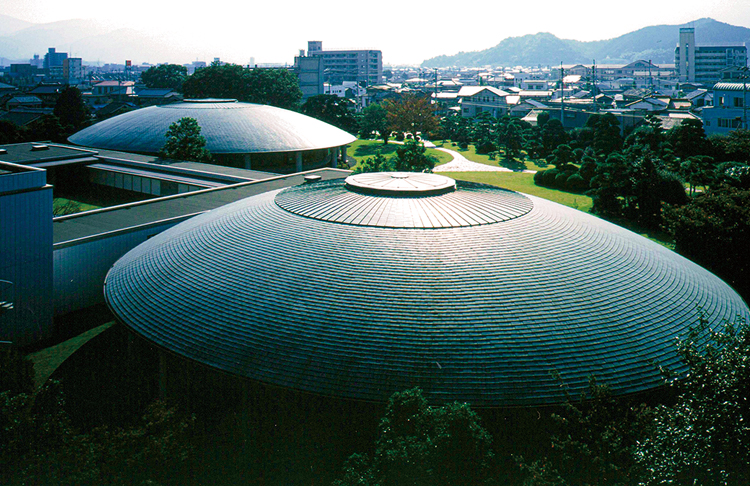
x,y
524,182
518,164
71,206
363,149
48,360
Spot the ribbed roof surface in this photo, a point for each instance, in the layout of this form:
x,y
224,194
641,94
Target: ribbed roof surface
x,y
228,126
483,313
731,86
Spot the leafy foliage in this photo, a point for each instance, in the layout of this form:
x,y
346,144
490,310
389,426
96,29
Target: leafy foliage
x,y
331,109
422,445
594,443
71,110
704,438
412,114
276,87
700,436
410,157
375,120
165,76
39,445
713,229
689,139
185,142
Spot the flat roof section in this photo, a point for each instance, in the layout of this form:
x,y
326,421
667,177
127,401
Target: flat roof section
x,y
230,171
36,153
118,218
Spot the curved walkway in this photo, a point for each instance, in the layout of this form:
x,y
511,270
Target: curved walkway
x,y
462,164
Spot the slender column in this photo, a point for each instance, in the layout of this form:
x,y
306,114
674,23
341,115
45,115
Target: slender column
x,y
335,157
247,163
299,161
162,375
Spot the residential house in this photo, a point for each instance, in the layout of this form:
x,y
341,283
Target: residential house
x,y
729,110
482,99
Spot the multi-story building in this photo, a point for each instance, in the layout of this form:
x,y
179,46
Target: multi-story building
x,y
53,63
309,70
73,70
703,64
729,111
364,67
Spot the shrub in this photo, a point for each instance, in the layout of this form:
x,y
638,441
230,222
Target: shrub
x,y
576,183
561,180
549,177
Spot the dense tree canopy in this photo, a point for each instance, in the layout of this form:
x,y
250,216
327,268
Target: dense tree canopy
x,y
412,114
165,76
375,121
332,109
422,445
411,157
185,142
713,229
275,87
71,110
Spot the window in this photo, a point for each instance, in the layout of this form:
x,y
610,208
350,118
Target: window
x,y
739,102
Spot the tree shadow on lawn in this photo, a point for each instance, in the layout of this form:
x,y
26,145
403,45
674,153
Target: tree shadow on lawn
x,y
370,150
513,164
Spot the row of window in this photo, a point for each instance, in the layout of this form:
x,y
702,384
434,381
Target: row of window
x,y
144,185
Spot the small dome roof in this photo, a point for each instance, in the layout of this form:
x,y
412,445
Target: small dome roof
x,y
229,127
472,292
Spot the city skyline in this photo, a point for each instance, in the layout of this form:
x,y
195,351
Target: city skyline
x,y
407,35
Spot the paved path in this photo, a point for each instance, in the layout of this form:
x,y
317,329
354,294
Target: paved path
x,y
462,164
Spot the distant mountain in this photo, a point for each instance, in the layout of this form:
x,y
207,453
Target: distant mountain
x,y
9,25
655,43
89,40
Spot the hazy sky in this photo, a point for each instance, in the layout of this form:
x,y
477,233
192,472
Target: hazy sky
x,y
406,32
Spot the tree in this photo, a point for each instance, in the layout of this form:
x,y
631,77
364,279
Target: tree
x,y
593,442
71,110
275,87
375,120
553,134
734,146
606,130
48,127
733,174
374,164
412,157
713,230
165,76
412,114
688,139
331,109
704,438
11,133
422,445
698,170
185,142
217,81
562,156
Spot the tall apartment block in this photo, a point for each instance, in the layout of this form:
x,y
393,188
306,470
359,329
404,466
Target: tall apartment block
x,y
703,64
364,67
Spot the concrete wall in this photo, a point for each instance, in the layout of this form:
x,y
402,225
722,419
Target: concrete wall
x,y
80,266
25,254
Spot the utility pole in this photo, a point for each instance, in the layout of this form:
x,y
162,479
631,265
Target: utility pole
x,y
562,95
593,86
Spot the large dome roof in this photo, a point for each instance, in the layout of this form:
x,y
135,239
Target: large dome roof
x,y
390,281
228,126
